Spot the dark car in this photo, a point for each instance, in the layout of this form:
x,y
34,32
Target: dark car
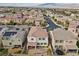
x,y
59,52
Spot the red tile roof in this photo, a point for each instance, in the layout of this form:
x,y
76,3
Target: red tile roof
x,y
73,24
37,32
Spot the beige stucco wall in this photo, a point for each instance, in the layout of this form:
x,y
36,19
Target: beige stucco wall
x,y
65,42
36,40
14,41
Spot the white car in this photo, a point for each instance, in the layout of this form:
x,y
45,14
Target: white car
x,y
47,25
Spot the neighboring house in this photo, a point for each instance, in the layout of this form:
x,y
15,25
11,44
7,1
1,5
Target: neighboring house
x,y
64,40
12,38
2,15
37,22
37,37
73,27
60,18
38,19
63,19
2,29
77,30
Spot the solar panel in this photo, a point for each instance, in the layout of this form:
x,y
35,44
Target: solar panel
x,y
9,33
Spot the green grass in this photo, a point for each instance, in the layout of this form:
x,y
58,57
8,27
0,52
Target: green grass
x,y
3,51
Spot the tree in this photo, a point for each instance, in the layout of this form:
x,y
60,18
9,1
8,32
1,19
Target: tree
x,y
3,52
53,17
43,23
77,43
11,23
28,22
66,23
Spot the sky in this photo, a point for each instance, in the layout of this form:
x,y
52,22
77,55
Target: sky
x,y
19,4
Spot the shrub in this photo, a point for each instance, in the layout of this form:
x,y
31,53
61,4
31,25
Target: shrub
x,y
1,49
25,52
53,17
77,43
18,52
3,52
49,51
43,23
11,23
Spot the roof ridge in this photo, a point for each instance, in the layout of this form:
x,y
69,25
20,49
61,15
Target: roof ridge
x,y
35,31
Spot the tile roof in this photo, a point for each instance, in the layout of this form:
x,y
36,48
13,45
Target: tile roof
x,y
61,34
73,24
37,32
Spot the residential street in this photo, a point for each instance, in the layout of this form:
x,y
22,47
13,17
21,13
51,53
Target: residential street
x,y
52,25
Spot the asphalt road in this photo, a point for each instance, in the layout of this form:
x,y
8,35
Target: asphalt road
x,y
52,25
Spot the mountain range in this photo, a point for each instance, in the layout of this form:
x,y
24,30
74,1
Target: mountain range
x,y
42,5
59,5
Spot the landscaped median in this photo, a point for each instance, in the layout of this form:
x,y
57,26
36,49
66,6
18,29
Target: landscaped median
x,y
53,19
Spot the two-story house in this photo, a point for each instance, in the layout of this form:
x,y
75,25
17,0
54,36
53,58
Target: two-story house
x,y
12,38
64,40
37,37
73,25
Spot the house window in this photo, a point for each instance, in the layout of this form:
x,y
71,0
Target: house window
x,y
56,41
43,38
38,43
17,28
76,30
41,43
2,38
23,29
10,43
32,39
70,42
78,35
39,38
60,46
61,41
66,41
44,43
56,46
18,40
